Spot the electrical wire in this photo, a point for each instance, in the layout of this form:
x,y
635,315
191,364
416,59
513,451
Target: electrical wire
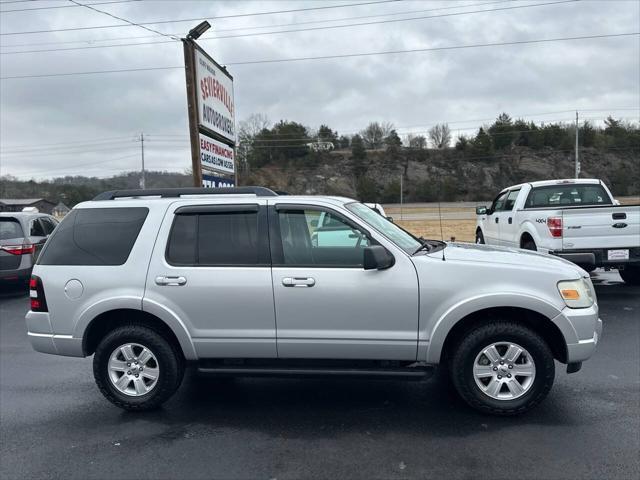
x,y
61,6
343,19
339,56
299,30
133,24
220,17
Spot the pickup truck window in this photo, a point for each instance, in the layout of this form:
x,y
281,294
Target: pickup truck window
x,y
498,203
397,235
567,195
511,200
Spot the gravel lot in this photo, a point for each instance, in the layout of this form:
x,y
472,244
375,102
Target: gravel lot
x,y
55,424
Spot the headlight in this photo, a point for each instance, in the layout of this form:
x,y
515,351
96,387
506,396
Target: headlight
x,y
576,293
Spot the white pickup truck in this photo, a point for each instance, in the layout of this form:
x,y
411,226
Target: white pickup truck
x,y
578,220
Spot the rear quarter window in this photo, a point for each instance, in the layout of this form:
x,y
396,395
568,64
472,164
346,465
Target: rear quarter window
x,y
94,236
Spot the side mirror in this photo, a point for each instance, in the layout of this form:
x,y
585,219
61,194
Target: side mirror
x,y
482,210
390,219
376,257
313,223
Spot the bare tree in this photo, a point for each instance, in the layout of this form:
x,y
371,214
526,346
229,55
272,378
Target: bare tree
x,y
247,132
440,136
417,142
373,136
387,128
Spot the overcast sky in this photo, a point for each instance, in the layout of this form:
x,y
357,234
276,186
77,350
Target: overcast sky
x,y
94,120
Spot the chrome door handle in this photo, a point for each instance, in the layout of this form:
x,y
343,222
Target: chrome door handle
x,y
298,282
170,281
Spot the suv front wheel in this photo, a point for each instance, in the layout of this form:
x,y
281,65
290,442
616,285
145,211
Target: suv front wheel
x,y
136,368
502,368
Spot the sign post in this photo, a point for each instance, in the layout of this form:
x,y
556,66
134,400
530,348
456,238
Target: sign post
x,y
211,110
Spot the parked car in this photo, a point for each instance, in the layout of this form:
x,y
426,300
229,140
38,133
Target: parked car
x,y
578,220
22,235
229,280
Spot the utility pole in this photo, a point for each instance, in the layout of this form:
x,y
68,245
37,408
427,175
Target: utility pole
x,y
142,179
401,196
577,154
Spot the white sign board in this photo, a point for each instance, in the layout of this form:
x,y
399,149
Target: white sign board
x,y
215,155
216,108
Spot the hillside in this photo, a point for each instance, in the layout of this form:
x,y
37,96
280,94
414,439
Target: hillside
x,y
430,175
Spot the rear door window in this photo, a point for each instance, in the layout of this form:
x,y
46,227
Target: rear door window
x,y
567,195
10,228
219,237
36,229
94,236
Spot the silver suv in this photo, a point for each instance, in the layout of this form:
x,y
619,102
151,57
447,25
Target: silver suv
x,y
229,280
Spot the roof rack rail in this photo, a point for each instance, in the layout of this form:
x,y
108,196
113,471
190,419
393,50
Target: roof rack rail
x,y
178,192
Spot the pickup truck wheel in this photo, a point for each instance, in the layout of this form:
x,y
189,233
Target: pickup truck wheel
x,y
502,368
479,237
631,275
529,245
136,368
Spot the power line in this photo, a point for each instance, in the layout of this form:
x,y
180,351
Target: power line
x,y
60,6
123,20
435,49
343,19
329,57
298,30
238,15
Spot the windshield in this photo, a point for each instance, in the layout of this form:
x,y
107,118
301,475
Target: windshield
x,y
403,239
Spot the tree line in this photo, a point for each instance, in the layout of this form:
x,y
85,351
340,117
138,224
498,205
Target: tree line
x,y
285,143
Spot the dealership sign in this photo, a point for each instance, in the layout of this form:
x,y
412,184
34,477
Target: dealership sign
x,y
212,121
215,155
216,109
213,181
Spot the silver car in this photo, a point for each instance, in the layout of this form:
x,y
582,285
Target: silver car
x,y
230,281
22,236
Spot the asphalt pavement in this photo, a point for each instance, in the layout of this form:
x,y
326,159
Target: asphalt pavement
x,y
54,423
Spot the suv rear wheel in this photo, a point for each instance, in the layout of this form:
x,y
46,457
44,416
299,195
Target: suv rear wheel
x,y
630,274
502,368
136,368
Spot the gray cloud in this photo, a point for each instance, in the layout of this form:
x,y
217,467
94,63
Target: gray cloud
x,y
411,90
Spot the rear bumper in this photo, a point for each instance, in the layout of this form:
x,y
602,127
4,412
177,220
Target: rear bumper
x,y
598,257
15,276
44,340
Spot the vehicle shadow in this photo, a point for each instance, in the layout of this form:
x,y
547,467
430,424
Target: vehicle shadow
x,y
333,407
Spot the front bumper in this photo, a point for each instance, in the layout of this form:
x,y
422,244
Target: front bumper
x,y
44,340
586,332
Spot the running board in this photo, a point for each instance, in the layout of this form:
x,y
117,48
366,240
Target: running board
x,y
417,373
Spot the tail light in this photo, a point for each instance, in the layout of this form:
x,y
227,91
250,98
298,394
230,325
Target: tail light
x,y
36,295
24,249
555,226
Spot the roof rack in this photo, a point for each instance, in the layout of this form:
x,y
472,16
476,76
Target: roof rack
x,y
178,192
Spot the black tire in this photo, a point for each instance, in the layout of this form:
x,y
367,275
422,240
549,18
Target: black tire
x,y
529,244
479,237
169,360
465,353
630,275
